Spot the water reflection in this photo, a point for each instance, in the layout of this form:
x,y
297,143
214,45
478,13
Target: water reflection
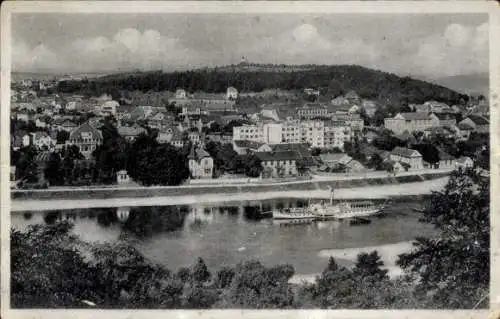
x,y
145,222
227,233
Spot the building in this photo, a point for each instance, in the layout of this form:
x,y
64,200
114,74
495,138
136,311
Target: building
x,y
410,122
180,94
130,133
122,177
408,156
421,108
437,107
42,140
201,164
232,93
310,110
352,120
109,108
479,123
250,132
445,159
311,132
278,164
20,139
464,130
445,119
336,133
464,162
63,124
243,147
340,101
311,92
87,138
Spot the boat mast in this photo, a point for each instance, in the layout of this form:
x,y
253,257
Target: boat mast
x,y
331,194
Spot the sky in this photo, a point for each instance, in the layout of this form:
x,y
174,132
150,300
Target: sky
x,y
424,45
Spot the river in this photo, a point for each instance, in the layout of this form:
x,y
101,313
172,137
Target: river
x,y
226,233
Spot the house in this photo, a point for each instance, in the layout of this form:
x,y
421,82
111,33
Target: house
x,y
278,164
191,109
23,116
86,138
64,124
201,164
464,130
352,97
411,122
124,111
464,162
311,92
336,133
437,107
370,107
444,119
42,140
20,139
353,120
180,94
194,136
445,159
312,110
122,177
232,93
270,112
405,155
340,101
332,160
130,133
302,150
243,147
479,123
40,123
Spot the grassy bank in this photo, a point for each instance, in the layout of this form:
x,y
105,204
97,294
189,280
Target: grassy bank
x,y
142,192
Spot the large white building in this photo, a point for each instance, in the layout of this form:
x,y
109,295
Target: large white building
x,y
336,134
410,122
311,132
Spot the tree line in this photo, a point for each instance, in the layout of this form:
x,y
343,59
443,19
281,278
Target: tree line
x,y
450,270
334,80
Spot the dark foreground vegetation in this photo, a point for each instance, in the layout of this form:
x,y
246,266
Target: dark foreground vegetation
x,y
51,268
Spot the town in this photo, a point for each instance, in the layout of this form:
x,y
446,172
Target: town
x,y
184,137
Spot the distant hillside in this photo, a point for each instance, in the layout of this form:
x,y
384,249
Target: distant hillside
x,y
383,87
467,84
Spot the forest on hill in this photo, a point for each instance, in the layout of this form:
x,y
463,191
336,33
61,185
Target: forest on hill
x,y
380,86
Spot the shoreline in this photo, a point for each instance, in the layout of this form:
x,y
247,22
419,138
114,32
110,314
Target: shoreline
x,y
367,192
389,254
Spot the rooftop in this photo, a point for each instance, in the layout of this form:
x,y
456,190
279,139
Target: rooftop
x,y
277,156
405,152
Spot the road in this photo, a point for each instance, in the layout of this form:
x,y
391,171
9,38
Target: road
x,y
225,183
367,192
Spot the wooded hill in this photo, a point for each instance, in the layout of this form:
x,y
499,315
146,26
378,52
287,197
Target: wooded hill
x,y
335,80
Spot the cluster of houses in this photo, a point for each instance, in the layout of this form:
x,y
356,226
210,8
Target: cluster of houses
x,y
279,134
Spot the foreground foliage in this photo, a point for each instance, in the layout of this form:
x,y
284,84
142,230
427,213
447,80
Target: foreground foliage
x,y
52,268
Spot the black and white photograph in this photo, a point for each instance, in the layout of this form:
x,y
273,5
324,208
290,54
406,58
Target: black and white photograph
x,y
247,160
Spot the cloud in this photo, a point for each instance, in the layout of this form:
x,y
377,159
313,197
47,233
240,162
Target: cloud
x,y
459,49
305,44
39,57
128,48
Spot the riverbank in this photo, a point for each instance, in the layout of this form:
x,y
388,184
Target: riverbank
x,y
389,254
196,190
217,195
